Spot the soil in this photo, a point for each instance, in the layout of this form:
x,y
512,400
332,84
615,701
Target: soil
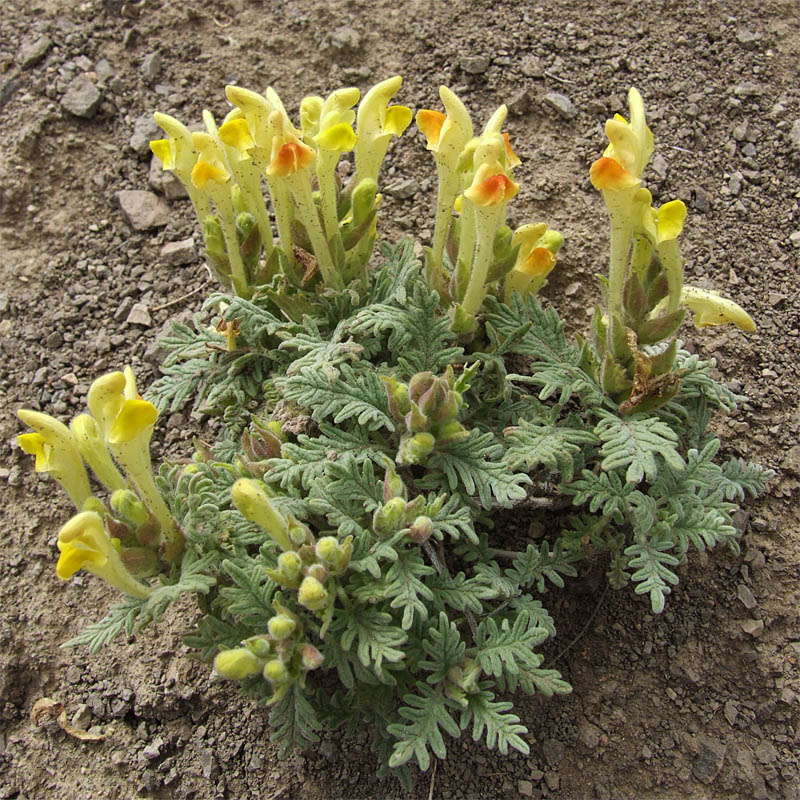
x,y
699,702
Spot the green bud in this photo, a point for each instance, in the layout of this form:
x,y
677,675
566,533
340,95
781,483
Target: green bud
x,y
236,664
390,517
128,506
416,449
421,530
318,571
299,534
393,485
399,402
94,504
451,433
326,548
290,565
310,657
260,646
363,200
281,627
275,672
312,594
416,421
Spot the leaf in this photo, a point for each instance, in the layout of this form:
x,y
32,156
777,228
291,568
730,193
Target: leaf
x,y
444,647
349,395
406,588
502,729
505,649
552,446
427,712
635,441
121,617
294,721
250,601
461,593
538,563
652,562
377,639
605,492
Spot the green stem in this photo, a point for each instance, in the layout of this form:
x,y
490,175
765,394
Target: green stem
x,y
618,264
300,187
449,184
282,203
326,167
486,219
671,262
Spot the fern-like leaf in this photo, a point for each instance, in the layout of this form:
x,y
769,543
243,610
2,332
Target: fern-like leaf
x,y
487,714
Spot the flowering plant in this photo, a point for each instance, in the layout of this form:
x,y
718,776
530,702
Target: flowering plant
x,y
348,535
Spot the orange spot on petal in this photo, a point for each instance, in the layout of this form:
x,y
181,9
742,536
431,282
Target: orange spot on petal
x,y
513,158
492,191
539,263
291,158
608,173
430,123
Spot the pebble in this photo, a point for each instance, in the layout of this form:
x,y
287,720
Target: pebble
x,y
475,65
660,166
700,199
794,135
153,749
151,66
589,734
82,717
345,39
561,104
747,39
753,627
142,210
532,67
144,129
54,340
730,711
735,183
82,98
525,788
709,759
178,253
102,342
139,315
554,751
794,238
519,103
749,89
745,596
164,181
104,71
31,53
766,752
403,189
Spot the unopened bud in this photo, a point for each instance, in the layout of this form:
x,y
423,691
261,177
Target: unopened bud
x,y
399,403
326,548
236,664
260,646
311,658
254,504
389,517
290,565
128,505
281,627
393,485
318,571
421,530
451,433
416,449
275,672
312,594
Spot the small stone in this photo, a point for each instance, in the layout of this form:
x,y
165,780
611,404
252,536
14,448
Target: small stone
x,y
144,129
31,53
82,717
735,183
54,340
791,460
660,166
151,66
153,749
519,103
753,627
561,104
794,135
747,39
700,199
532,67
82,98
589,734
178,253
745,596
139,315
165,181
142,210
345,39
403,189
794,238
766,752
102,342
749,89
730,711
553,781
554,751
475,65
709,759
525,788
104,71
208,763
573,289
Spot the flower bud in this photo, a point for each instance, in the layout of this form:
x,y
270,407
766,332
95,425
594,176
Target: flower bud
x,y
310,657
312,594
290,565
416,449
399,403
326,548
236,664
393,485
421,530
389,517
261,646
254,504
451,433
318,571
128,506
275,672
281,627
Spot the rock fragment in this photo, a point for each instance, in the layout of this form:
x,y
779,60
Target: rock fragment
x,y
178,253
31,53
151,67
475,65
139,315
144,129
403,189
709,759
165,182
142,210
82,98
561,104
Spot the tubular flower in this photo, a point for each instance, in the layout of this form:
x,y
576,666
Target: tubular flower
x,y
252,132
446,134
535,260
710,308
491,186
253,503
93,448
178,154
377,122
84,544
56,453
126,422
662,227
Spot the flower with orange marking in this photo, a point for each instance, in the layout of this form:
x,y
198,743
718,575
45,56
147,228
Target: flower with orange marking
x,y
491,187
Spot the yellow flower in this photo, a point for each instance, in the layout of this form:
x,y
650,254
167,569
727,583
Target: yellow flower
x,y
536,259
92,447
377,122
336,121
710,308
665,223
56,453
84,544
491,186
290,154
446,134
253,503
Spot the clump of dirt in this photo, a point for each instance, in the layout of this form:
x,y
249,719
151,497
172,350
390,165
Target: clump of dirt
x,y
701,701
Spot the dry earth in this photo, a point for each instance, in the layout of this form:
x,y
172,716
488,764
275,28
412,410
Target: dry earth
x,y
701,702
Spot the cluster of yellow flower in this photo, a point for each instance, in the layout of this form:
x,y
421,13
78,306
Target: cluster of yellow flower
x,y
114,441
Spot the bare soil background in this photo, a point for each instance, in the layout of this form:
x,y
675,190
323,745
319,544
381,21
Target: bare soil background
x,y
701,702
